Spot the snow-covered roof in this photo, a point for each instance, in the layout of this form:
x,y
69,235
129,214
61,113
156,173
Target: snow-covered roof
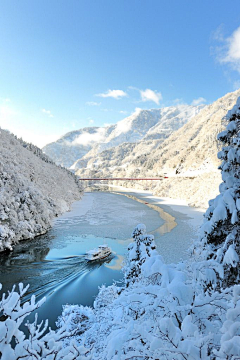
x,y
93,252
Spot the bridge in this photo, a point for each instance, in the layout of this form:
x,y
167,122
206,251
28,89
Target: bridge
x,y
123,179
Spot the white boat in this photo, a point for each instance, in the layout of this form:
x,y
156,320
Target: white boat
x,y
100,253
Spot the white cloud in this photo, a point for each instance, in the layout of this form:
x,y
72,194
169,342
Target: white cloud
x,y
229,52
198,101
116,94
85,138
233,50
91,121
16,123
133,88
107,124
40,139
151,95
218,33
137,110
122,127
123,112
236,84
47,112
178,101
106,110
93,103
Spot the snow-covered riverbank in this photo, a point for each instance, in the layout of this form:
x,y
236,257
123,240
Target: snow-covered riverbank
x,y
54,266
180,222
159,311
33,190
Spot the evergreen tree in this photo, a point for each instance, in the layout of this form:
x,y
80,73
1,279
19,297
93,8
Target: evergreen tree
x,y
220,234
138,251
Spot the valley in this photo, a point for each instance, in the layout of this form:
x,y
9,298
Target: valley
x,y
120,180
54,265
178,142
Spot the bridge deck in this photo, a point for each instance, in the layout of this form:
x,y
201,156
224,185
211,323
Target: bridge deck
x,y
99,179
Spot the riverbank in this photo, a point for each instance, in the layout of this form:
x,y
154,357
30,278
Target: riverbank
x,y
54,266
180,227
34,191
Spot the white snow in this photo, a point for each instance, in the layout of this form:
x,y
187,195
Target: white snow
x,y
231,257
160,313
184,311
181,145
33,190
89,142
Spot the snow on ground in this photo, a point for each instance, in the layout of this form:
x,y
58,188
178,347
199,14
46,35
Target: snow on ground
x,y
179,226
189,152
161,313
33,190
109,215
112,215
155,123
194,214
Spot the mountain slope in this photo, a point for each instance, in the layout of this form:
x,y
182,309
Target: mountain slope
x,y
33,191
74,145
188,156
88,142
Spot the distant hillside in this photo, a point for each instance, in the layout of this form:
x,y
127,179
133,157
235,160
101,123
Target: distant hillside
x,y
33,190
86,143
178,141
188,156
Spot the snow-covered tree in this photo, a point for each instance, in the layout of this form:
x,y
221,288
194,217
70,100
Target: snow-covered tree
x,y
159,315
138,251
219,245
38,342
33,190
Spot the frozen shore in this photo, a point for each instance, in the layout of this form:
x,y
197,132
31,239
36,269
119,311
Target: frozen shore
x,y
180,222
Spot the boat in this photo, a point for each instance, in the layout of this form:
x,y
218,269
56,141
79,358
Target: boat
x,y
100,253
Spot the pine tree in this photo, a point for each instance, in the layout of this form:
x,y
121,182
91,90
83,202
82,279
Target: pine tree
x,y
138,251
220,233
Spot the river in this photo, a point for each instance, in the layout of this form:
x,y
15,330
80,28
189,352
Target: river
x,y
54,265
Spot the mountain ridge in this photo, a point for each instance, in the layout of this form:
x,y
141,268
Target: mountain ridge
x,y
188,157
75,145
33,190
182,145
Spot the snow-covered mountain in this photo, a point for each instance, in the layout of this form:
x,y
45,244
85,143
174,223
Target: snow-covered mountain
x,y
188,156
178,141
74,145
148,124
33,190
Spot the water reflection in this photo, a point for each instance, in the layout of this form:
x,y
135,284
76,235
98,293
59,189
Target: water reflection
x,y
169,223
116,264
27,252
58,270
54,264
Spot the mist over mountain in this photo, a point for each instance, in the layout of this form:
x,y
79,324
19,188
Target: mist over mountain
x,y
149,124
177,141
188,157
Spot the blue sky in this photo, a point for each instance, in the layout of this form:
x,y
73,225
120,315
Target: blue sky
x,y
71,64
